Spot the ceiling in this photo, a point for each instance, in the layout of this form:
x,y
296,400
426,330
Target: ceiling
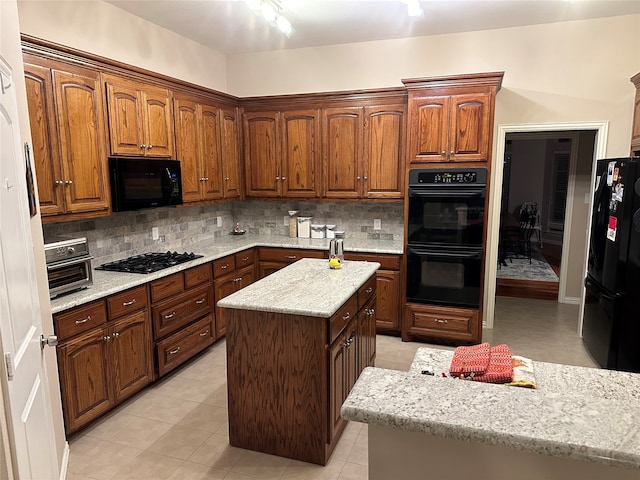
x,y
230,27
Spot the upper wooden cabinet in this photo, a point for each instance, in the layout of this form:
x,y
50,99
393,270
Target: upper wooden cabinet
x,y
635,128
363,151
451,118
140,119
282,153
207,147
68,137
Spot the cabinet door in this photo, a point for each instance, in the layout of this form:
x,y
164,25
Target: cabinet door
x,y
342,151
209,130
222,287
229,153
126,129
131,354
337,382
82,139
300,153
428,128
369,333
262,154
187,149
44,139
635,127
388,302
84,378
469,127
384,151
351,358
158,122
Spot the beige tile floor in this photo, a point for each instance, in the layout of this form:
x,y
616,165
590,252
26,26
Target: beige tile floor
x,y
177,428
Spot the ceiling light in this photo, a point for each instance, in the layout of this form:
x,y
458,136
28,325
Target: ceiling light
x,y
271,11
414,9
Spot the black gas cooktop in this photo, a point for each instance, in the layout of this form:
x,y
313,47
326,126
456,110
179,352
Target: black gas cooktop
x,y
148,262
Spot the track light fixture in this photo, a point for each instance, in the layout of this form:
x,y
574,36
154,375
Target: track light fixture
x,y
271,11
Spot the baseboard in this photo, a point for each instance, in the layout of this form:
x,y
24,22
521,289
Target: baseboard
x,y
571,300
65,461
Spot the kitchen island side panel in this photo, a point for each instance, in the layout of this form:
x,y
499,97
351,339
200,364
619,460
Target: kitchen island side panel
x,y
277,384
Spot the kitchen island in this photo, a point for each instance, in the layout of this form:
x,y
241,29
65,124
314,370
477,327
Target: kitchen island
x,y
579,423
296,342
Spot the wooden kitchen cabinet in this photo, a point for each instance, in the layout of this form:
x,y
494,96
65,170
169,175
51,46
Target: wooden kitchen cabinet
x,y
140,118
442,324
206,144
102,359
450,119
68,138
363,151
271,259
342,376
282,153
635,127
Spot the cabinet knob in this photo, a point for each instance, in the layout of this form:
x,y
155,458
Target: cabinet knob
x,y
226,179
116,335
283,178
451,152
59,182
206,179
358,178
149,147
443,152
143,146
277,178
370,289
69,182
365,178
372,311
106,338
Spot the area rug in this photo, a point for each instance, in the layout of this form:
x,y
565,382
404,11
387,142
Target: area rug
x,y
519,269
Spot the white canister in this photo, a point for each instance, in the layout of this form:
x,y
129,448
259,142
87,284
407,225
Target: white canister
x,y
331,231
317,231
304,227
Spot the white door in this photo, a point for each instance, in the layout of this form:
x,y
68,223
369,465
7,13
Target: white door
x,y
23,376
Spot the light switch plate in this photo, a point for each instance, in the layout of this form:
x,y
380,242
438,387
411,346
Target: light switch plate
x,y
155,233
377,224
218,221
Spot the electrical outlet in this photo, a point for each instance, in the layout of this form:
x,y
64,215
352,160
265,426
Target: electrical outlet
x,y
218,221
377,224
155,233
286,221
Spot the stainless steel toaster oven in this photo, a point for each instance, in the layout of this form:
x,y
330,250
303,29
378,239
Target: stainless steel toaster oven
x,y
68,264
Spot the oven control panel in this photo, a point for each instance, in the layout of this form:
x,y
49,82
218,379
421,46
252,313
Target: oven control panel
x,y
438,176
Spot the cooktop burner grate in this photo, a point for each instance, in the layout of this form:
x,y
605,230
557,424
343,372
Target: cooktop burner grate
x,y
148,262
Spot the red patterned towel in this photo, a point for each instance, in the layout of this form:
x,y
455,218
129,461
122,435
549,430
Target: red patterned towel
x,y
467,360
500,369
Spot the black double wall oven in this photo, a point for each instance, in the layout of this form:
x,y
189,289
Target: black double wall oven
x,y
444,236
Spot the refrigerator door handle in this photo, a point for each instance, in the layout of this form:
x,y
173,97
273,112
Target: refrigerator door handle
x,y
601,293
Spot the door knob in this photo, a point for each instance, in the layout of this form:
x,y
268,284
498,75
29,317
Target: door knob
x,y
51,340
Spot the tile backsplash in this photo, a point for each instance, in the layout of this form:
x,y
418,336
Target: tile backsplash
x,y
129,233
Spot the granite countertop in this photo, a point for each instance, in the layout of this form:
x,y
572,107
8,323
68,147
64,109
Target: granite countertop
x,y
576,412
108,283
307,287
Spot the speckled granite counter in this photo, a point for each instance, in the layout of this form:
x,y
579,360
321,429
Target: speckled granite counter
x,y
576,412
307,287
107,283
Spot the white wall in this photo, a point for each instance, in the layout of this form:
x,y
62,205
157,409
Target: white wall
x,y
101,28
561,72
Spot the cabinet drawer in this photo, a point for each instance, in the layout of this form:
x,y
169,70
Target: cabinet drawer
x,y
443,322
80,319
177,312
197,275
126,302
245,258
223,266
181,346
387,262
342,317
167,286
288,255
366,291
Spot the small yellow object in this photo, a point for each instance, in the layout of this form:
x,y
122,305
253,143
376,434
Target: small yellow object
x,y
335,263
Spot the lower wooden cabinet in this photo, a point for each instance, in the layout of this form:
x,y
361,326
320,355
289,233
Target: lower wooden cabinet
x,y
442,324
177,349
101,366
343,364
272,259
226,285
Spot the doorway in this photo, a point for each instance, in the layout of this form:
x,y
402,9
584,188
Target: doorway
x,y
569,289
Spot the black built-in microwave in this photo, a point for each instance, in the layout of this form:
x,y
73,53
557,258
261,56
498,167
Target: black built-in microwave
x,y
138,183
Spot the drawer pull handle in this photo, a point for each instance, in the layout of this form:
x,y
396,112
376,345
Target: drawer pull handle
x,y
84,320
173,352
370,289
239,279
437,320
126,304
204,334
200,302
291,257
245,259
346,317
170,315
225,266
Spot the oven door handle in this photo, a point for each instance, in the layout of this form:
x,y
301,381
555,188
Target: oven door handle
x,y
66,263
443,192
435,253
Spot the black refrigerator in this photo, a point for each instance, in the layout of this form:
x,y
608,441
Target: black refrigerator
x,y
611,322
